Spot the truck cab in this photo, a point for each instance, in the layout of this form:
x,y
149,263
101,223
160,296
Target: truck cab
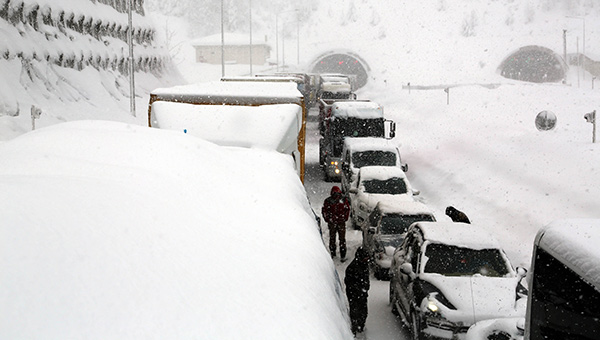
x,y
350,119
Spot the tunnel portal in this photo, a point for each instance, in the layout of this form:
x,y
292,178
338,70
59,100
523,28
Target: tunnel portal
x,y
346,63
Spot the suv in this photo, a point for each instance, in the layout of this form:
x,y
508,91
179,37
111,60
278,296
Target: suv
x,y
375,184
385,229
366,151
448,276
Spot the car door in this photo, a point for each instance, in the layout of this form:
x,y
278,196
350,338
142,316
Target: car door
x,y
405,281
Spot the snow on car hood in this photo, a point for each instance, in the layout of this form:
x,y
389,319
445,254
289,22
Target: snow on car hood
x,y
477,297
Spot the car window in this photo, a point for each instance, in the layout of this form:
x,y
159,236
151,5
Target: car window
x,y
392,186
374,157
398,224
458,261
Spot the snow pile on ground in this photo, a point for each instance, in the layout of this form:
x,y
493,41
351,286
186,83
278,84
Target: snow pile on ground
x,y
119,231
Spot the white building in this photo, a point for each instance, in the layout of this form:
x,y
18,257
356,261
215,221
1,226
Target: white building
x,y
237,49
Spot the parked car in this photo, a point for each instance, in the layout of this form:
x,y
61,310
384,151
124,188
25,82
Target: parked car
x,y
385,230
367,151
448,276
375,184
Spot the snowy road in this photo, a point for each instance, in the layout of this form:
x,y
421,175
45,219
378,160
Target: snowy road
x,y
381,323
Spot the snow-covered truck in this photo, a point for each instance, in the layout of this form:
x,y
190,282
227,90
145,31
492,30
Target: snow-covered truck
x,y
260,114
350,119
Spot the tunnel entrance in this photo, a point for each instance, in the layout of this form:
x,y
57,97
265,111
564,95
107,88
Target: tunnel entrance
x,y
534,64
346,63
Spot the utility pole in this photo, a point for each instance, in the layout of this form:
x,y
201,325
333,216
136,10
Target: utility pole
x,y
222,40
250,17
131,66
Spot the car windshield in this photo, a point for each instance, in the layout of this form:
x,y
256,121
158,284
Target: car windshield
x,y
374,157
458,261
391,186
398,224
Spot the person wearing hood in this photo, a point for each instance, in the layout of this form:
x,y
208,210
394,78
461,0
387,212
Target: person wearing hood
x,y
357,289
335,211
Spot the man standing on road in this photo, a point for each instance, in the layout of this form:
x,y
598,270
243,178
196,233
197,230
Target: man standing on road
x,y
357,289
335,212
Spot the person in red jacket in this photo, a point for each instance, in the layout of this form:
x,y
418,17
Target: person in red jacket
x,y
336,210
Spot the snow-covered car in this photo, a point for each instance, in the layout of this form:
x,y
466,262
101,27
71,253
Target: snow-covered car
x,y
385,230
375,184
447,276
367,151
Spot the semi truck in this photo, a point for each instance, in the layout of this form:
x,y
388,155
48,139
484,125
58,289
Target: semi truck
x,y
350,119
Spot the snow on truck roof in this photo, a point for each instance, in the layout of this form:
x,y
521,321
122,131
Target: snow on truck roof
x,y
575,243
370,143
232,92
273,127
357,109
459,234
160,235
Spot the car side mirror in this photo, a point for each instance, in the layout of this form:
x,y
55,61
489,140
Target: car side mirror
x,y
416,192
404,167
407,269
521,272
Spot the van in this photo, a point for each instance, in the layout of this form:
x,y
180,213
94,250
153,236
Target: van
x,y
564,299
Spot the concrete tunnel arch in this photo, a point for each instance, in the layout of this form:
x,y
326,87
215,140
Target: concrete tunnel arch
x,y
534,64
342,62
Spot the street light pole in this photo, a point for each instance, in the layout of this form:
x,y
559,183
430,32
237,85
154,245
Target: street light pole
x,y
277,41
581,63
131,66
250,17
222,40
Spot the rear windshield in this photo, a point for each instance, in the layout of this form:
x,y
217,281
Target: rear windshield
x,y
457,261
392,186
375,157
398,224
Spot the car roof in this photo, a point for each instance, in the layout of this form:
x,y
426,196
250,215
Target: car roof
x,y
381,172
369,143
405,208
575,243
457,234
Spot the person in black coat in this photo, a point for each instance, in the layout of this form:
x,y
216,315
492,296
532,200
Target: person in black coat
x,y
357,289
457,215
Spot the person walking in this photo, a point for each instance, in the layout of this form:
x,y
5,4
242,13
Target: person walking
x,y
335,211
357,289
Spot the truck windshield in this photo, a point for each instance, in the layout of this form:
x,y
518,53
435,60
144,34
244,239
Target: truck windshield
x,y
458,261
375,157
353,127
391,186
398,224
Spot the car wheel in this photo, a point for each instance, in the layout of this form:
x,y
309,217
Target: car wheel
x,y
415,329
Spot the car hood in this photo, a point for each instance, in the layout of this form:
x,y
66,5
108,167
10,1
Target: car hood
x,y
477,297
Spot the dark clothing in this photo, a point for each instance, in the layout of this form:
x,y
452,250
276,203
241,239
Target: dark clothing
x,y
335,211
457,215
340,230
357,289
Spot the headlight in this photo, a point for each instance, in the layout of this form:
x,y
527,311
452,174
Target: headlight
x,y
432,306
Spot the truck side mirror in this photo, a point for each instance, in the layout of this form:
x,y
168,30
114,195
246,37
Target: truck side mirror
x,y
405,167
392,125
372,230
